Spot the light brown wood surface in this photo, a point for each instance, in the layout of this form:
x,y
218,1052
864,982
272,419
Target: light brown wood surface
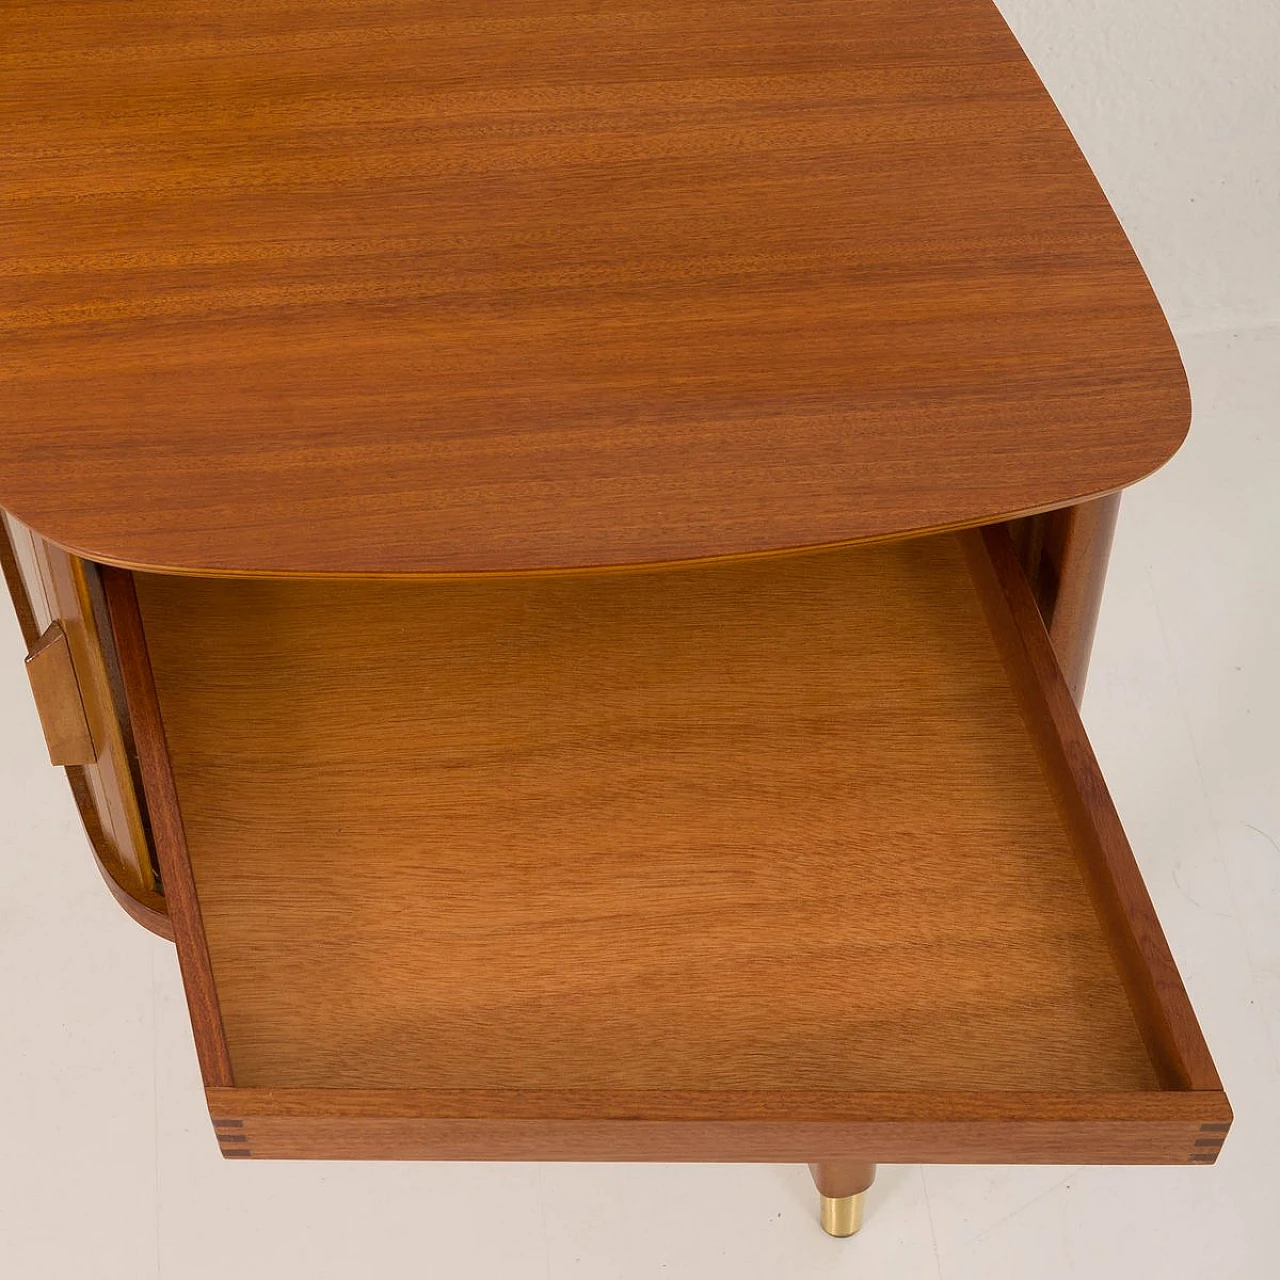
x,y
1155,989
48,588
1078,546
405,287
58,702
771,826
838,1179
15,578
104,792
1064,555
907,1127
167,829
144,906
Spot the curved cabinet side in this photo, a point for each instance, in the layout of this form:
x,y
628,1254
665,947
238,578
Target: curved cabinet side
x,y
1065,554
48,585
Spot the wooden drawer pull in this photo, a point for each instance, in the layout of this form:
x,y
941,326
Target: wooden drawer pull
x,y
57,693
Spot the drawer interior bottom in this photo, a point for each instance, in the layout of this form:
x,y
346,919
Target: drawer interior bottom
x,y
778,824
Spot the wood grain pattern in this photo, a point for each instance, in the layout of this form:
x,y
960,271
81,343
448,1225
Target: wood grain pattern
x,y
233,1141
50,587
1077,549
167,829
142,904
15,580
894,1128
404,287
840,1178
57,695
1169,1023
771,825
144,907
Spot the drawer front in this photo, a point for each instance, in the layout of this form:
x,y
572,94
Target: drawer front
x,y
780,859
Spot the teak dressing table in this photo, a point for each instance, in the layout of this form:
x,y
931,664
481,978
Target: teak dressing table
x,y
559,543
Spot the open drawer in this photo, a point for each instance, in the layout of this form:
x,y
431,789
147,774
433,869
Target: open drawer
x,y
780,859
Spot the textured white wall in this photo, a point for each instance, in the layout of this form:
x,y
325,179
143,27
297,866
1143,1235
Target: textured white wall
x,y
1176,104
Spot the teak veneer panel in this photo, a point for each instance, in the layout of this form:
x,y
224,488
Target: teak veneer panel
x,y
51,588
769,826
521,284
52,674
968,1128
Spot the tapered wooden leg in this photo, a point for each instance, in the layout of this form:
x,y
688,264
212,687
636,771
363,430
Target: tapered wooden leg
x,y
842,1184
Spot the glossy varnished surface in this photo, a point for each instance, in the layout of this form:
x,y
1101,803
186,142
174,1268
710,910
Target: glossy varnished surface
x,y
404,286
897,1128
775,826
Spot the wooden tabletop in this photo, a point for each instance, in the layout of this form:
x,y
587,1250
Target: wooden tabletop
x,y
383,286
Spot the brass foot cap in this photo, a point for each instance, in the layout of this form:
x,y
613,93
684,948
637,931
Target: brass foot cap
x,y
842,1215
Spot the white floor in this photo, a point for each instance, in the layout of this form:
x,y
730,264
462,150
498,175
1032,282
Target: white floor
x,y
108,1168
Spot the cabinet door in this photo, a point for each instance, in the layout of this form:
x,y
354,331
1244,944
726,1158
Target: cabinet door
x,y
60,608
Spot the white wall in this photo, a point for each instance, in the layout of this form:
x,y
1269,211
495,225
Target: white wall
x,y
1176,104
